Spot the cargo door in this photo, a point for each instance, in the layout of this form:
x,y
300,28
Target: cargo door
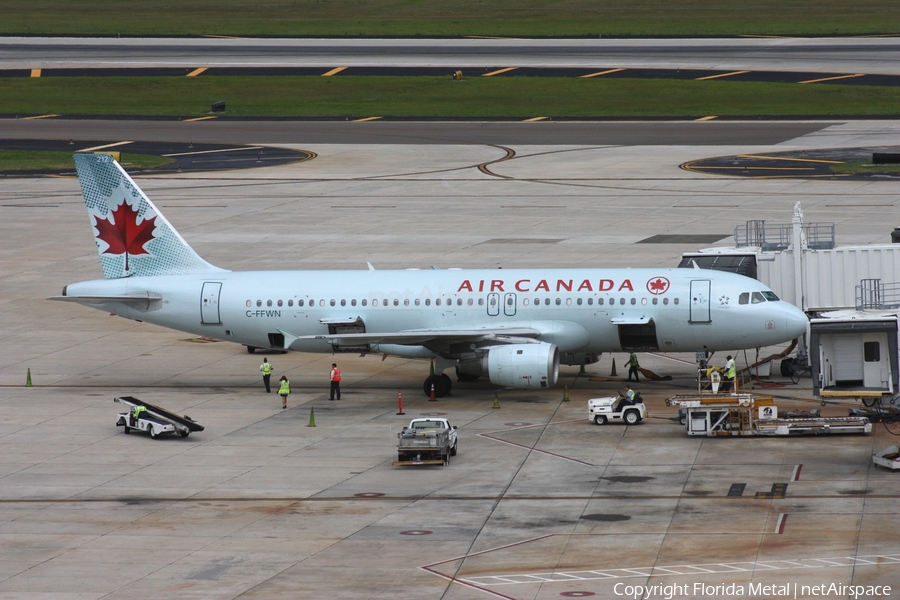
x,y
209,303
700,301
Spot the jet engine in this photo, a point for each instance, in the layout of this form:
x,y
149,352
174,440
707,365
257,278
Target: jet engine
x,y
522,365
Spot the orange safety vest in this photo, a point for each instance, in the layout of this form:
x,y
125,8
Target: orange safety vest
x,y
335,374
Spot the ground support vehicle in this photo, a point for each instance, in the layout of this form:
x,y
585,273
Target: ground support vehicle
x,y
154,420
888,457
603,410
428,441
749,414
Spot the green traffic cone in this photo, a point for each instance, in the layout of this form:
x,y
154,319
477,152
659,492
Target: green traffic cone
x,y
312,417
28,378
496,401
613,372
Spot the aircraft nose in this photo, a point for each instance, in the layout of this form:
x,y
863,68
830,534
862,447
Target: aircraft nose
x,y
797,321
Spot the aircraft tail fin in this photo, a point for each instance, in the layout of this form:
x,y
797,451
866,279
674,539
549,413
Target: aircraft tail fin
x,y
133,238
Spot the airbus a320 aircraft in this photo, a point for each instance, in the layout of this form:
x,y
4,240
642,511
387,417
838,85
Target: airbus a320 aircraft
x,y
514,326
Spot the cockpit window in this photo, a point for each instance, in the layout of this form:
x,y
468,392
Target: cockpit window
x,y
770,296
744,298
756,298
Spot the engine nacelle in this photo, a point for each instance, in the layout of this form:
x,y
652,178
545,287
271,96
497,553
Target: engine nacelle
x,y
522,365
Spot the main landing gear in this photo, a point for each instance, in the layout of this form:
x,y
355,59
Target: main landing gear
x,y
441,383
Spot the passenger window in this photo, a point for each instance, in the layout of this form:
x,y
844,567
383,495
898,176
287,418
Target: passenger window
x,y
332,302
524,301
756,298
343,302
675,301
569,301
353,302
546,301
322,302
437,301
600,301
418,301
374,301
470,302
655,301
396,301
621,300
268,303
591,301
300,302
744,298
578,302
665,301
363,301
290,302
279,303
459,301
427,301
558,301
481,302
633,301
249,303
406,302
259,303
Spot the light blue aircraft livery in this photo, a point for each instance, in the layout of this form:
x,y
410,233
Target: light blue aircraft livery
x,y
514,326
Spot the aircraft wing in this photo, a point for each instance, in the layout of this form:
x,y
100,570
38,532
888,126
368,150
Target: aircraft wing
x,y
414,337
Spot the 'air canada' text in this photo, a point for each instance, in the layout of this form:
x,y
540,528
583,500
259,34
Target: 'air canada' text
x,y
543,285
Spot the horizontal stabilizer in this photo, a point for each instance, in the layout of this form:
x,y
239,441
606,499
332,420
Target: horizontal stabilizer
x,y
131,299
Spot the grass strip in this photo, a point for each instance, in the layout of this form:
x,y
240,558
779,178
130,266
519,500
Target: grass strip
x,y
23,161
538,18
440,97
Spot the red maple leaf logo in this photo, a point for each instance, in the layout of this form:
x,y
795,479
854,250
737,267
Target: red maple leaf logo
x,y
658,286
122,233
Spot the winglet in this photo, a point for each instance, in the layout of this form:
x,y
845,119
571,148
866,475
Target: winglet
x,y
133,238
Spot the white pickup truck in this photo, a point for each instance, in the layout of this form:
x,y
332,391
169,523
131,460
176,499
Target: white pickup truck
x,y
426,441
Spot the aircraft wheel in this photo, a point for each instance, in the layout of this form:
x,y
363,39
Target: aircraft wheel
x,y
251,349
600,420
447,381
441,387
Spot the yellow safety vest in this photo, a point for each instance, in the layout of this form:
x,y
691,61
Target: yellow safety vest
x,y
729,369
266,368
285,388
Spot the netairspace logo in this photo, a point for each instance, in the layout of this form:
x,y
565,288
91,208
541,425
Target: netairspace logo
x,y
753,590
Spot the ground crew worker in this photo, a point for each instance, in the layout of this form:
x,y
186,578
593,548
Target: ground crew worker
x,y
284,389
335,381
729,374
266,369
627,398
633,367
136,413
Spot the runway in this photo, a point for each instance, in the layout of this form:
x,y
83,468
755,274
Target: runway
x,y
538,504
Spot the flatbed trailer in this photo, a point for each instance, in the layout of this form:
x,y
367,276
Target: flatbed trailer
x,y
154,420
751,415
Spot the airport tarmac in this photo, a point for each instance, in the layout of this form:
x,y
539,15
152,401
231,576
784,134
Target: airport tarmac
x,y
538,504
